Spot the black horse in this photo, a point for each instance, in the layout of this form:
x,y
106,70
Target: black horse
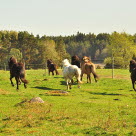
x,y
132,70
52,67
75,60
17,70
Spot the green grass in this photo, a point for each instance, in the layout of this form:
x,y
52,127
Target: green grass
x,y
105,108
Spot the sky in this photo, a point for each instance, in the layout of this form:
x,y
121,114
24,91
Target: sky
x,y
67,17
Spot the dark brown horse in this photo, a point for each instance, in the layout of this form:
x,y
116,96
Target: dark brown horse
x,y
17,70
52,67
132,70
87,67
75,61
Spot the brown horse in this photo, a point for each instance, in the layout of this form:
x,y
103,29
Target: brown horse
x,y
132,70
52,67
17,70
75,61
87,67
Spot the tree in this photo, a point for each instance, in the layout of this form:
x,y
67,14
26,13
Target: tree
x,y
122,47
47,51
61,50
16,53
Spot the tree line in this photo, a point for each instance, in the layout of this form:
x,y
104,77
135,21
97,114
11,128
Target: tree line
x,y
36,50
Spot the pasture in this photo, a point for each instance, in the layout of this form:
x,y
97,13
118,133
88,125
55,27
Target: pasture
x,y
105,108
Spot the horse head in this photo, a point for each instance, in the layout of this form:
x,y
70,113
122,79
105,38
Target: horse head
x,y
49,61
132,65
86,59
12,61
74,58
65,62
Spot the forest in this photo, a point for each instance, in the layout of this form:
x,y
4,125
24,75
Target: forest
x,y
35,50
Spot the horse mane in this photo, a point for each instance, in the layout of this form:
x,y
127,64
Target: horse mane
x,y
49,61
12,61
75,60
66,62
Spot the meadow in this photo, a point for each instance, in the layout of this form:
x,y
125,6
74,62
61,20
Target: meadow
x,y
105,108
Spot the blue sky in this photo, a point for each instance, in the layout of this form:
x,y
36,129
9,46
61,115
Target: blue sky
x,y
67,17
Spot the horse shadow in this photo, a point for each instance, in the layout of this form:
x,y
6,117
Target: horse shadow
x,y
105,93
45,88
58,77
62,83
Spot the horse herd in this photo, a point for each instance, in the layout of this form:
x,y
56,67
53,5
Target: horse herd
x,y
76,68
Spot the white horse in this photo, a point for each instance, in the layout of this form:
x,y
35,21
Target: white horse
x,y
69,71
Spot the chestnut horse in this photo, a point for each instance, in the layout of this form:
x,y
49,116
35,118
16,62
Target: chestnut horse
x,y
52,67
87,67
17,70
132,70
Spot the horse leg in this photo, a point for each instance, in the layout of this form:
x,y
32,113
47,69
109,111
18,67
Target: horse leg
x,y
25,85
11,76
70,84
52,73
81,76
133,84
88,78
95,79
17,82
67,84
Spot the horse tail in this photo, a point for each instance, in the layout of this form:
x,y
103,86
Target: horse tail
x,y
24,80
92,67
22,77
55,68
57,73
78,75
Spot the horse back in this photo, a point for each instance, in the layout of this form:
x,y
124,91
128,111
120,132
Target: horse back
x,y
87,67
17,69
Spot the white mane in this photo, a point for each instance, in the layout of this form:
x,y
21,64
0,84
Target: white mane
x,y
66,63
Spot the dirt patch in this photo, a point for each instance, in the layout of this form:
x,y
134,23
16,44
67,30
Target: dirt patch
x,y
116,77
56,93
4,92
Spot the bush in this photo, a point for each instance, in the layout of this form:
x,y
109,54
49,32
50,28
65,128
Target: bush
x,y
118,62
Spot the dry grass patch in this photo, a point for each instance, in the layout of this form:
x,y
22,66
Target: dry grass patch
x,y
56,93
4,92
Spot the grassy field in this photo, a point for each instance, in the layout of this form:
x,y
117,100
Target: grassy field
x,y
105,108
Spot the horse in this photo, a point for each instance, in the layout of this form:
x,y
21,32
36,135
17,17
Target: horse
x,y
132,65
87,67
132,70
69,71
75,61
17,70
52,67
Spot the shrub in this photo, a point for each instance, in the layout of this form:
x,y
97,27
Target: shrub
x,y
118,62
